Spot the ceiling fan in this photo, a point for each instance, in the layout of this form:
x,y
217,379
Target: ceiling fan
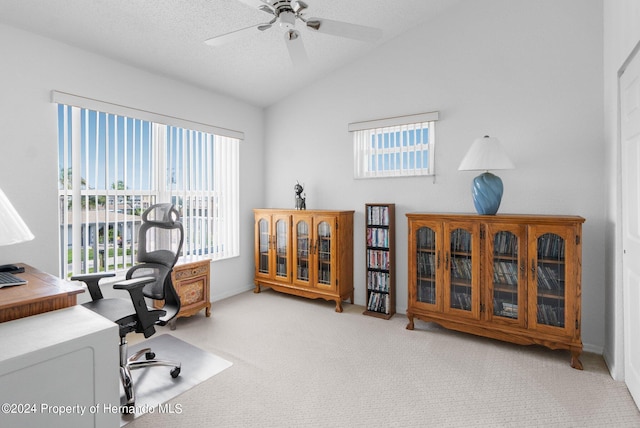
x,y
285,14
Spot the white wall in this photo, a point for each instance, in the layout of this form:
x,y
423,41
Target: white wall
x,y
621,35
32,66
529,73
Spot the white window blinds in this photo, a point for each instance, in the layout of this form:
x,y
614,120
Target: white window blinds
x,y
112,167
394,147
203,175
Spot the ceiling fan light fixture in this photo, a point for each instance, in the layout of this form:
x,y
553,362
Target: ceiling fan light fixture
x,y
287,20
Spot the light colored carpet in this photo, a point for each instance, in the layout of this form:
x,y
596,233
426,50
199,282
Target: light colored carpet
x,y
297,363
155,386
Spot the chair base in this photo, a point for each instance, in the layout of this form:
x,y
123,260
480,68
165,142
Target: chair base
x,y
131,363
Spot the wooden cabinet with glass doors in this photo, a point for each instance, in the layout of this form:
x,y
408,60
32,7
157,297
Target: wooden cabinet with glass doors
x,y
305,253
515,278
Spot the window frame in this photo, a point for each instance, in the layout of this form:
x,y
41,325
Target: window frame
x,y
221,218
394,147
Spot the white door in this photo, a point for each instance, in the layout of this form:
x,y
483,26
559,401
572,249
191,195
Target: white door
x,y
630,147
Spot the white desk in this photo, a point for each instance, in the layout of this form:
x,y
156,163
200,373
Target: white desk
x,y
59,361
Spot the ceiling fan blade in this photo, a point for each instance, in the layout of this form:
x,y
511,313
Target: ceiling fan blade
x,y
299,6
236,35
258,3
296,49
344,29
267,9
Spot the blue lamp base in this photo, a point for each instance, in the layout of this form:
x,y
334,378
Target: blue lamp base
x,y
487,193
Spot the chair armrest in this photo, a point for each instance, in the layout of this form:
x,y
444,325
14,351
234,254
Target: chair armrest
x,y
91,276
134,283
92,279
134,287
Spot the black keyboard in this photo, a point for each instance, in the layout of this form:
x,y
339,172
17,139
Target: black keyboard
x,y
7,279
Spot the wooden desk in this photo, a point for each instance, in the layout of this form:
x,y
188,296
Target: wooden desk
x,y
42,293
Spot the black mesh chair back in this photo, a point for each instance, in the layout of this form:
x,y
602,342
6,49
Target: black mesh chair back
x,y
160,235
160,240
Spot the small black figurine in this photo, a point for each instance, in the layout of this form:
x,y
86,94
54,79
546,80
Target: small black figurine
x,y
301,202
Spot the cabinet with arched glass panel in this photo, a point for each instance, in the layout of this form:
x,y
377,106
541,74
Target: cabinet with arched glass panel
x,y
317,259
425,272
462,268
273,246
505,275
510,277
314,256
551,288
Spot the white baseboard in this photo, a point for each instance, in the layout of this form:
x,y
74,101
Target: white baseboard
x,y
231,292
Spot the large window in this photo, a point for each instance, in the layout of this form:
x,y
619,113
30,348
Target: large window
x,y
395,147
114,166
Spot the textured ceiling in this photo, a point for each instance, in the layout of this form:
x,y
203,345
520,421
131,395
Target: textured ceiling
x,y
167,37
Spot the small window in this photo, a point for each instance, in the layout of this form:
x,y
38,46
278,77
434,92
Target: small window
x,y
395,147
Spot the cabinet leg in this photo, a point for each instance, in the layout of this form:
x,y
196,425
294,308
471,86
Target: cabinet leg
x,y
338,306
351,300
410,325
207,311
575,360
257,289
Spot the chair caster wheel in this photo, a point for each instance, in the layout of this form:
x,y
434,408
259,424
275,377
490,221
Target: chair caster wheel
x,y
150,355
175,372
129,409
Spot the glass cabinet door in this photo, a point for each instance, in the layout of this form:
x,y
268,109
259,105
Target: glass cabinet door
x,y
302,251
264,246
282,247
428,258
462,269
506,273
324,254
549,270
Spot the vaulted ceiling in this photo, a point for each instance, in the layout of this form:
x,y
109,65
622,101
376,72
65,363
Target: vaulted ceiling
x,y
167,37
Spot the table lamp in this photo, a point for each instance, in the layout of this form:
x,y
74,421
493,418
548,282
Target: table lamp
x,y
484,154
12,228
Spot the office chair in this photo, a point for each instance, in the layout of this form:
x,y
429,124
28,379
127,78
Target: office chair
x,y
160,241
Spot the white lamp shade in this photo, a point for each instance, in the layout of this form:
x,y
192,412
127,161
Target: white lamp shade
x,y
486,154
12,229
